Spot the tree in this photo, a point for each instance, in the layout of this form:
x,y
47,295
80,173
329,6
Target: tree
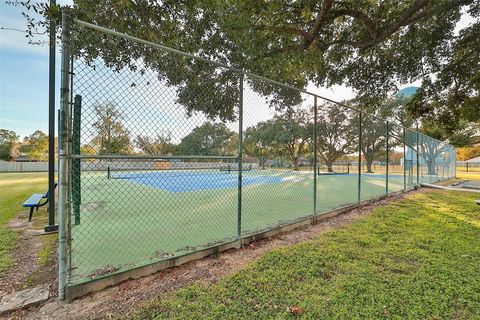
x,y
257,143
36,146
212,139
87,149
369,45
467,153
374,141
374,129
451,97
430,147
112,137
9,145
158,145
288,133
336,133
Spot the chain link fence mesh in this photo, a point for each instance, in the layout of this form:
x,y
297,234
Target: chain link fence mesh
x,y
171,154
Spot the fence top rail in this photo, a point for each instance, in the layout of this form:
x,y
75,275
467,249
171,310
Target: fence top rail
x,y
146,157
240,71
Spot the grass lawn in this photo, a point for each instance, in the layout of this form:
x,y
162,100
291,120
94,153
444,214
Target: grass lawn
x,y
416,258
15,188
468,175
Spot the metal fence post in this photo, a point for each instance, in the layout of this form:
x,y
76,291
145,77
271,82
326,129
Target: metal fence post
x,y
240,158
64,157
418,157
360,157
404,161
51,127
454,163
76,163
315,115
388,159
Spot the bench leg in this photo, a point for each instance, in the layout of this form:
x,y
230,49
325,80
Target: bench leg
x,y
31,214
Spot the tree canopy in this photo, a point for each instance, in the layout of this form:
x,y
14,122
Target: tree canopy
x,y
159,145
210,139
337,133
111,135
36,146
286,135
368,45
450,94
8,144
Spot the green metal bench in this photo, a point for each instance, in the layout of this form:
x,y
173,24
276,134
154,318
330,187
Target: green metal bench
x,y
36,201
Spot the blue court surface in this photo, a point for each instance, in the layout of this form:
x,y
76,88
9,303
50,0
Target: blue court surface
x,y
188,181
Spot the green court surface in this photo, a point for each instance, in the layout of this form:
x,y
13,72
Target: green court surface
x,y
126,222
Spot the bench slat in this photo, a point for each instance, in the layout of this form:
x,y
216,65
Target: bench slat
x,y
33,200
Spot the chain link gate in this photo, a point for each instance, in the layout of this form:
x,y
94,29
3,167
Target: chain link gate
x,y
164,154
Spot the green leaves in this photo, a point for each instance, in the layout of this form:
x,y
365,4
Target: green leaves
x,y
111,135
368,45
210,139
452,100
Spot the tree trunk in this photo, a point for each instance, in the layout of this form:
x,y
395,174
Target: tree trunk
x,y
432,167
330,166
295,163
369,165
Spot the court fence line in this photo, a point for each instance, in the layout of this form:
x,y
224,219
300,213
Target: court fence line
x,y
167,154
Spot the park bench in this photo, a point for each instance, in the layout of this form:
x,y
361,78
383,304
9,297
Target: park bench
x,y
36,201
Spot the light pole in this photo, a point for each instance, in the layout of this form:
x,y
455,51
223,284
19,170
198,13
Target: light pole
x,y
51,127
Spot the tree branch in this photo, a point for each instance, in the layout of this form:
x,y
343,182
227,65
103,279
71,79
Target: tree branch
x,y
357,14
290,30
321,18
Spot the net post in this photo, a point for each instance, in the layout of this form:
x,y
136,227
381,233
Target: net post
x,y
240,158
360,156
388,159
64,157
315,115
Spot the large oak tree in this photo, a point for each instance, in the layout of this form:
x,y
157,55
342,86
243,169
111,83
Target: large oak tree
x,y
369,45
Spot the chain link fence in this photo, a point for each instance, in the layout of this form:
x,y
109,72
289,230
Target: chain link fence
x,y
163,154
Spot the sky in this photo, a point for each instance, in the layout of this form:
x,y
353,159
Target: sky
x,y
24,76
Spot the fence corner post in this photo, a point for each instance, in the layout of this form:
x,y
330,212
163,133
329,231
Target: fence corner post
x,y
64,157
315,115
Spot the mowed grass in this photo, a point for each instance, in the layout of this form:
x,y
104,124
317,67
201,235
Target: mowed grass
x,y
15,188
416,258
468,175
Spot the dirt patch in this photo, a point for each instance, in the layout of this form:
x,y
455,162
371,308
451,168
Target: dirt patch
x,y
130,295
29,269
25,255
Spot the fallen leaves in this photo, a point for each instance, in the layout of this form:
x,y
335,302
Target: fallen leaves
x,y
294,310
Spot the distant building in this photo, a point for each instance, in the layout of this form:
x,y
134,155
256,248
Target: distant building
x,y
24,158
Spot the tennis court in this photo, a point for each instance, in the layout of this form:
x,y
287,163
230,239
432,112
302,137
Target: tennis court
x,y
134,216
